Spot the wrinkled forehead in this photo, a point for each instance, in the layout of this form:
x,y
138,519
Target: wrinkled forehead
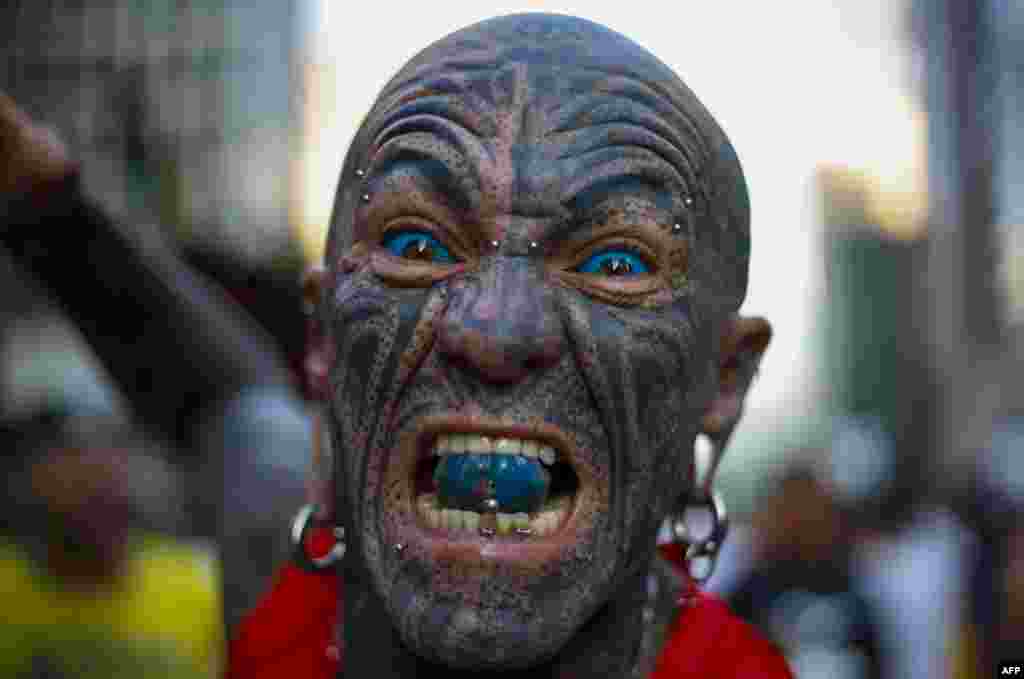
x,y
531,78
557,57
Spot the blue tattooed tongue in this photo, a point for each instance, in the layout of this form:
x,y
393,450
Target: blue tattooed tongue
x,y
518,483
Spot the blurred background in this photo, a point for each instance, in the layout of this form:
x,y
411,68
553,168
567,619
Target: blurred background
x,y
878,474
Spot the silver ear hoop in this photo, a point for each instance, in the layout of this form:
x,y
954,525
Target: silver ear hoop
x,y
702,548
302,559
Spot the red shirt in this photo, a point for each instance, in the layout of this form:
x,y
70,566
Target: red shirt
x,y
290,634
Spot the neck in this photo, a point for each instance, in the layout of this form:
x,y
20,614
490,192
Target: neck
x,y
622,640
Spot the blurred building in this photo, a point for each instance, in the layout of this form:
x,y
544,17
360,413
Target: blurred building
x,y
183,108
973,86
973,63
875,347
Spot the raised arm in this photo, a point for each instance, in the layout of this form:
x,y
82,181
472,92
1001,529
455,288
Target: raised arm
x,y
172,341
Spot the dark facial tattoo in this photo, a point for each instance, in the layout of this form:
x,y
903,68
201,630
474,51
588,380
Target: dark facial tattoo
x,y
527,272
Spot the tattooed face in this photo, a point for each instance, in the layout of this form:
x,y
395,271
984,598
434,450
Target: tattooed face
x,y
538,234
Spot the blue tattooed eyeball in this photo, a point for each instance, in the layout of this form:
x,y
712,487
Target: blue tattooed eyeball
x,y
417,244
614,262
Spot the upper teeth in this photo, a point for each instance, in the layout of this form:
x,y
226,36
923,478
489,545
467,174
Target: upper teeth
x,y
472,443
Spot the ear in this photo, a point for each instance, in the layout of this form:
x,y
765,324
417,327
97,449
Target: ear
x,y
319,350
743,343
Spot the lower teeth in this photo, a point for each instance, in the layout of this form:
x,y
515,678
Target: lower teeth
x,y
544,522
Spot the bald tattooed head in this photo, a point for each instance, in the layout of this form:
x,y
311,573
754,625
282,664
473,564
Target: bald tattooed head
x,y
539,244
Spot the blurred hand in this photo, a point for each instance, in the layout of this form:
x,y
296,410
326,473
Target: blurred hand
x,y
88,499
31,155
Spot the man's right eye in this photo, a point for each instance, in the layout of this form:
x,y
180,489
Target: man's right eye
x,y
419,245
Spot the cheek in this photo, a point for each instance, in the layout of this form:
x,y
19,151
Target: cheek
x,y
647,372
378,338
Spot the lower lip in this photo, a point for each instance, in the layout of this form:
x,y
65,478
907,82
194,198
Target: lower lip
x,y
513,549
445,544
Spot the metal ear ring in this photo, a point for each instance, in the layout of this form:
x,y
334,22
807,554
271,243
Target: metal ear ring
x,y
701,551
700,548
300,528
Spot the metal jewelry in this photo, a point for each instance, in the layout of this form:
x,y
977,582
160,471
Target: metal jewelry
x,y
302,559
701,552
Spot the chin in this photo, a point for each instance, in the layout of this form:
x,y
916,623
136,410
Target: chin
x,y
480,637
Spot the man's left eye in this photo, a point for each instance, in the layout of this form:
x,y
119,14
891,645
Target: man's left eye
x,y
418,245
614,262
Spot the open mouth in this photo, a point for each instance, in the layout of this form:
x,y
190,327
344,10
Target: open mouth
x,y
471,483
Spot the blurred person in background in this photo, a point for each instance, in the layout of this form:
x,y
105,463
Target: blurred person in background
x,y
93,582
993,506
196,370
801,590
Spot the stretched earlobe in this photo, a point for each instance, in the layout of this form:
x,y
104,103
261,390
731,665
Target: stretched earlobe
x,y
319,350
743,343
318,360
320,483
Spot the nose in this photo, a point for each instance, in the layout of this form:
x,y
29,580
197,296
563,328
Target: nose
x,y
502,323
